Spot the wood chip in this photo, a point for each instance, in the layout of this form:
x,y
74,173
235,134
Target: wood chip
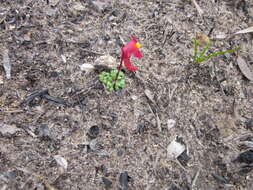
x,y
244,68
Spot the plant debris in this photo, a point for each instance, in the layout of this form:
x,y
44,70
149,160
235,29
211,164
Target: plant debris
x,y
44,94
6,63
244,68
244,31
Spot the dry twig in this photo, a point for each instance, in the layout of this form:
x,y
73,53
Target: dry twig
x,y
200,11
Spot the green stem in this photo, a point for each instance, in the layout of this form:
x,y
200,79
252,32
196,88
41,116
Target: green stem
x,y
222,52
202,54
195,50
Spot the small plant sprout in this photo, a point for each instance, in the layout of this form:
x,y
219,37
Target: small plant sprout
x,y
109,79
115,80
203,41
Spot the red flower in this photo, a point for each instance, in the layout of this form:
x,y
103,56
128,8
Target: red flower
x,y
131,49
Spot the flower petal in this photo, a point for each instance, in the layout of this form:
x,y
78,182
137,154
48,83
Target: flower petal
x,y
137,53
129,66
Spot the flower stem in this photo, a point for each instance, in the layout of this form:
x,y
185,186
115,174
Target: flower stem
x,y
119,69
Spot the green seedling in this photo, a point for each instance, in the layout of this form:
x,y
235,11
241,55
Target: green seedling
x,y
200,57
112,80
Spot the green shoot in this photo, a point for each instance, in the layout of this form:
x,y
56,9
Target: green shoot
x,y
202,57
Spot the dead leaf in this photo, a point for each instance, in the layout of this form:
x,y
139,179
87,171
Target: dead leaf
x,y
8,130
244,68
149,95
244,31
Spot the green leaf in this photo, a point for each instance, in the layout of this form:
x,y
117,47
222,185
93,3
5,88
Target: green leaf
x,y
205,49
121,75
113,74
195,49
222,52
121,84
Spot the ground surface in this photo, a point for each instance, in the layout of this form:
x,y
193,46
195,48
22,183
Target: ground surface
x,y
102,135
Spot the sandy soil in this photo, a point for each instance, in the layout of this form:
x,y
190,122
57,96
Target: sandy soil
x,y
120,140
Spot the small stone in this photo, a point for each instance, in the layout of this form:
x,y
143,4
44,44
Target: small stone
x,y
183,158
171,123
93,145
141,128
8,130
107,60
86,67
119,153
50,11
249,124
245,157
27,37
107,182
134,97
62,162
78,6
44,131
124,178
93,132
98,5
220,36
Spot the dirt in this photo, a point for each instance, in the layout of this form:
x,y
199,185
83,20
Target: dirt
x,y
119,140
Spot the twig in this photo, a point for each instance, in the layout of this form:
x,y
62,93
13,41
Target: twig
x,y
11,111
195,178
44,94
200,11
